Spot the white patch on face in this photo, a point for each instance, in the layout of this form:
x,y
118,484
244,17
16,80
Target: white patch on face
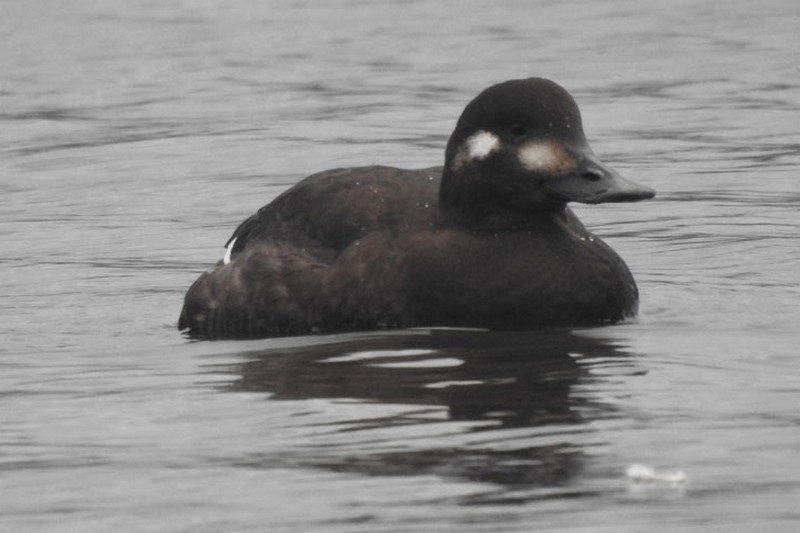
x,y
544,156
481,144
228,251
477,146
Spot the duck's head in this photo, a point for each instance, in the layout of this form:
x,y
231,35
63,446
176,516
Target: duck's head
x,y
518,149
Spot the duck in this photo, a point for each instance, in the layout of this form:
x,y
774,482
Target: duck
x,y
485,241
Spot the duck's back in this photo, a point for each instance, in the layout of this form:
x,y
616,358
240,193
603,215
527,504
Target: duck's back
x,y
275,278
326,212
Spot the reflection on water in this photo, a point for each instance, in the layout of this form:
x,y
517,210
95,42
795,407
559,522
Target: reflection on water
x,y
493,383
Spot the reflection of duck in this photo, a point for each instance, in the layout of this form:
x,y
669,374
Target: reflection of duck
x,y
487,241
490,380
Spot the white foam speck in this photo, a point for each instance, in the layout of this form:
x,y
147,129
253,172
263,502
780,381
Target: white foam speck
x,y
639,473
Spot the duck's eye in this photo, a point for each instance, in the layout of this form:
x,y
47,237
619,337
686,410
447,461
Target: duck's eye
x,y
518,130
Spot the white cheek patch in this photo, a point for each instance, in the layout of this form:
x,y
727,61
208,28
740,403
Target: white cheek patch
x,y
477,146
229,251
544,156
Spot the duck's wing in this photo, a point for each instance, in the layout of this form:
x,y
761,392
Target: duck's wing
x,y
327,211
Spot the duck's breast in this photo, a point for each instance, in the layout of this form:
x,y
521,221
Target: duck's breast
x,y
517,280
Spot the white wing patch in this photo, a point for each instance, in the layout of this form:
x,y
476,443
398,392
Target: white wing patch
x,y
228,251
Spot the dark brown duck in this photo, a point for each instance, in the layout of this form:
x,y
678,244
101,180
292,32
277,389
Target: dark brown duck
x,y
485,241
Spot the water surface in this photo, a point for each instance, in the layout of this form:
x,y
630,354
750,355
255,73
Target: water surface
x,y
136,135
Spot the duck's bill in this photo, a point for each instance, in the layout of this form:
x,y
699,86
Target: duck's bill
x,y
595,183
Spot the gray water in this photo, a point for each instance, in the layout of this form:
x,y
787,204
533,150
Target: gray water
x,y
135,136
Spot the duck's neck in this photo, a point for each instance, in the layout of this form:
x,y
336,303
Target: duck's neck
x,y
484,213
471,201
495,218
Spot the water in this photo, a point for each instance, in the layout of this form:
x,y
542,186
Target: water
x,y
136,135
